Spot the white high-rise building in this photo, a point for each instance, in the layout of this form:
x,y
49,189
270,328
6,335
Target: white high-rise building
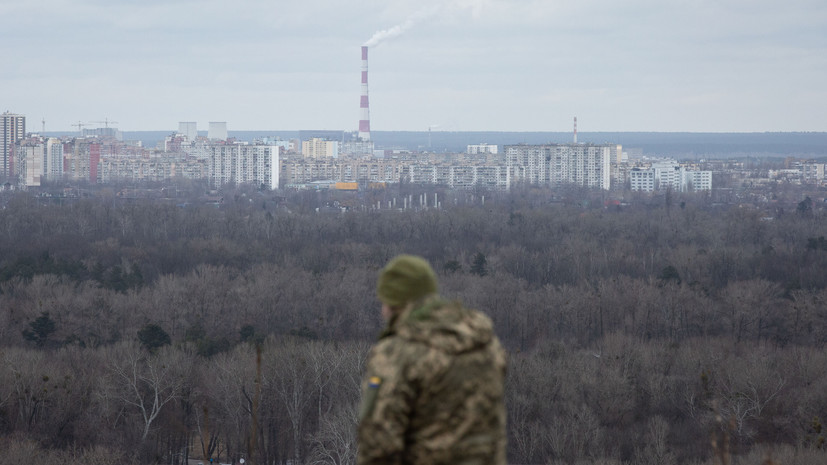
x,y
560,164
53,159
28,163
244,164
189,129
217,131
12,130
38,159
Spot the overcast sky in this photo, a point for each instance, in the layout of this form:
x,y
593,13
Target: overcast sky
x,y
461,65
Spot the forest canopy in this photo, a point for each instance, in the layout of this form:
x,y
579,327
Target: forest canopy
x,y
130,329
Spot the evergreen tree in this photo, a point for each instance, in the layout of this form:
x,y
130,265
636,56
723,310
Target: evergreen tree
x,y
40,329
479,265
153,336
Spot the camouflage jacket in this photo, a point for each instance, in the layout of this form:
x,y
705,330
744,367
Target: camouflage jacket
x,y
433,390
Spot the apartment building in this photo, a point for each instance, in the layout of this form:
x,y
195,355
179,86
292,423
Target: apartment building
x,y
668,174
140,168
358,148
12,130
476,149
243,164
53,159
82,159
695,181
560,164
460,175
28,161
37,159
812,172
320,148
642,179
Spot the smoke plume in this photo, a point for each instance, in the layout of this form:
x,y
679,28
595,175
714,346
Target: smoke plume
x,y
399,29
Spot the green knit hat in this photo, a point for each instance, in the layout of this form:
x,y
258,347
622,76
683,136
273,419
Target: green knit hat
x,y
404,279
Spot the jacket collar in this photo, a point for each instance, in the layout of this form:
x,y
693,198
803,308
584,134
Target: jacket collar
x,y
397,319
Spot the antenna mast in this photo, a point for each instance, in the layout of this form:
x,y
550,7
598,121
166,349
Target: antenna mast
x,y
575,129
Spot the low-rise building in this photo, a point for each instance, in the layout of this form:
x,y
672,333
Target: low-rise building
x,y
668,174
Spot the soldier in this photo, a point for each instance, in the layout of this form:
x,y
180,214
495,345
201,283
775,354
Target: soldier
x,y
433,387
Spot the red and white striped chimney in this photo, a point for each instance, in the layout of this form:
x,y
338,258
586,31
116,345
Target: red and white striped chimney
x,y
364,108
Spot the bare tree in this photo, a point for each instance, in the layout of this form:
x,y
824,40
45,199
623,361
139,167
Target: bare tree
x,y
226,380
744,387
27,377
290,375
146,382
335,441
655,449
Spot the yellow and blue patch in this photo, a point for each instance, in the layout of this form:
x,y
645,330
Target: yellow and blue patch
x,y
369,398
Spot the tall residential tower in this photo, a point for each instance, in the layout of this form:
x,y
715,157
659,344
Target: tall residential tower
x,y
12,130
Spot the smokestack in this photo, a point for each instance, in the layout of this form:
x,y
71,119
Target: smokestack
x,y
364,107
575,129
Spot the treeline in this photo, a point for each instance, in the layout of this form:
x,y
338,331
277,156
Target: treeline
x,y
636,333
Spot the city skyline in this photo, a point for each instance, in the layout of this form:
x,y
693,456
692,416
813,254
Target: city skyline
x,y
463,65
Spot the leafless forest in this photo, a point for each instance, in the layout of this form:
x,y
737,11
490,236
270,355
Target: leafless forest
x,y
668,331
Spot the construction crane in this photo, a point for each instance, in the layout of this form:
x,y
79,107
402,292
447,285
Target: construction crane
x,y
80,127
106,122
